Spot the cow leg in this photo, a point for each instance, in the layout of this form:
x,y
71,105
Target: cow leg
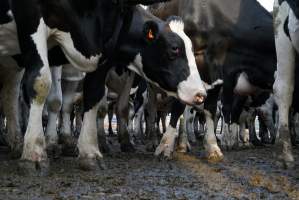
x,y
296,128
67,139
150,117
244,132
110,116
24,110
168,140
3,140
253,139
103,108
10,99
230,137
131,120
188,120
78,111
54,101
265,113
263,131
93,92
183,142
227,96
283,85
213,152
33,44
138,124
199,125
122,110
163,121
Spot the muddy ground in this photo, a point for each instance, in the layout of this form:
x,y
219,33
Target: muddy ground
x,y
244,174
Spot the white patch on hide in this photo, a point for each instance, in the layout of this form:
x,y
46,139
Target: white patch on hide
x,y
189,88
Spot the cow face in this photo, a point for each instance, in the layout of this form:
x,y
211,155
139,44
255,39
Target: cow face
x,y
168,61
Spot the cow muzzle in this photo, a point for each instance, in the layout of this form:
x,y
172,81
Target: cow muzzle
x,y
199,99
192,98
192,90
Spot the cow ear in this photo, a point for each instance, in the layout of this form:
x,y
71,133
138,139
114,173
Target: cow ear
x,y
150,31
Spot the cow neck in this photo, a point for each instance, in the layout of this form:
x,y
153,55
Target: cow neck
x,y
123,19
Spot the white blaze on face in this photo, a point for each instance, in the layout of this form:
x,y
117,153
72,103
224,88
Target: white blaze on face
x,y
192,86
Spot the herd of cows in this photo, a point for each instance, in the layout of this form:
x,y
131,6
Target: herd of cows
x,y
73,59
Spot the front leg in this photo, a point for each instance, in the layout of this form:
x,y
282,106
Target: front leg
x,y
33,44
93,92
168,141
284,84
213,152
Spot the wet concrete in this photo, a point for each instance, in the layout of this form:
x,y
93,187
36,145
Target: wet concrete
x,y
244,174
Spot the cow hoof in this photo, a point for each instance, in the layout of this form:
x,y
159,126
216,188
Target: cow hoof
x,y
183,148
215,157
213,153
283,149
245,145
53,151
127,147
33,168
167,145
69,145
151,146
229,140
165,150
91,164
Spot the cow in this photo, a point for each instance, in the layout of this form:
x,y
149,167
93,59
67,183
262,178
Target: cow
x,y
65,82
94,36
286,24
234,46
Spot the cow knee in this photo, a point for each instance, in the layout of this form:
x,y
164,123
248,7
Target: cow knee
x,y
54,103
41,85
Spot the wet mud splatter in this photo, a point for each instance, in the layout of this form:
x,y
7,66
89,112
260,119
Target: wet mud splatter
x,y
244,174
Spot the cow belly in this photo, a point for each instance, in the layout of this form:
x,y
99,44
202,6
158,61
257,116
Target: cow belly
x,y
9,44
243,86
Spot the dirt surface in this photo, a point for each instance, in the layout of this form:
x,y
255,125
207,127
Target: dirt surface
x,y
244,174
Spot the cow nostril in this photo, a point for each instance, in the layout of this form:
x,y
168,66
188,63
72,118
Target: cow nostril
x,y
199,98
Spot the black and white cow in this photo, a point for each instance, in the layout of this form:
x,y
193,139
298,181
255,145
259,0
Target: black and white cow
x,y
233,41
94,36
286,28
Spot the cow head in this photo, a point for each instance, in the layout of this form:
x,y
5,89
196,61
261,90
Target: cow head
x,y
167,60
